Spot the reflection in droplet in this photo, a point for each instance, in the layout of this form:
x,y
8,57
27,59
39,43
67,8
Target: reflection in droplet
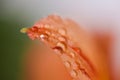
x,y
43,36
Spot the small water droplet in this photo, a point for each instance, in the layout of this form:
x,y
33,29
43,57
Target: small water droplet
x,y
53,34
78,64
77,50
52,40
84,76
62,45
47,32
46,26
58,50
65,57
75,65
73,73
72,54
61,38
34,29
43,36
62,31
67,64
84,71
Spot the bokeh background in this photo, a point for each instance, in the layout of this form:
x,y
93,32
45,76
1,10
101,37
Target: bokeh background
x,y
100,15
12,42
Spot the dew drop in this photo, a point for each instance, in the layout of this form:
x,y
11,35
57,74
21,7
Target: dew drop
x,y
62,45
75,65
46,26
73,73
78,64
72,54
67,64
48,32
84,71
58,50
43,36
61,38
65,57
81,75
53,34
62,31
77,50
41,26
53,40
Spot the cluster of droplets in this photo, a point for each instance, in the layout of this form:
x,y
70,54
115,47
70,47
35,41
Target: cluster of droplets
x,y
58,41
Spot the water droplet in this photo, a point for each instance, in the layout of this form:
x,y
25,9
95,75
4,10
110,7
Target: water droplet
x,y
62,31
53,40
46,26
61,38
67,64
62,45
53,35
78,64
34,29
72,54
65,57
83,75
43,36
58,50
75,65
77,50
73,73
47,32
83,71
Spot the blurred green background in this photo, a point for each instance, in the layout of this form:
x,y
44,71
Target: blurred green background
x,y
14,15
12,42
